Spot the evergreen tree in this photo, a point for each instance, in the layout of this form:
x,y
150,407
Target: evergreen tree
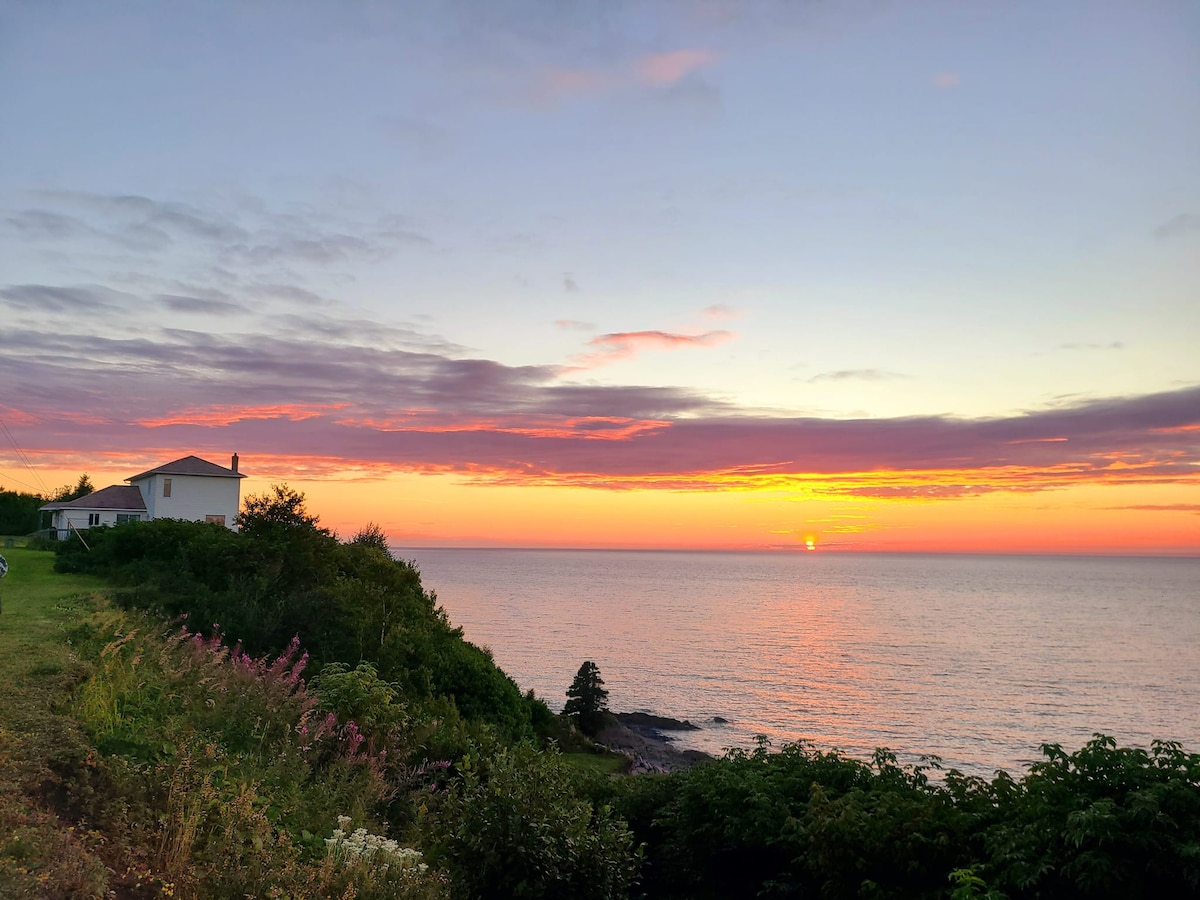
x,y
81,488
587,700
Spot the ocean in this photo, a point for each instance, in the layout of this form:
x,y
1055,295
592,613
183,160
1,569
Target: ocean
x,y
976,659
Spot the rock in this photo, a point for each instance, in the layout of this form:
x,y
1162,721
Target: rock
x,y
720,720
649,720
647,749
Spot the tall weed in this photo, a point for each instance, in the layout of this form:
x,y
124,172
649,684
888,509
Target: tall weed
x,y
228,768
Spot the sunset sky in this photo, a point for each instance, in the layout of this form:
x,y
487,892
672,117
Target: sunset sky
x,y
665,273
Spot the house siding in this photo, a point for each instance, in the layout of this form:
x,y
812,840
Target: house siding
x,y
193,497
80,519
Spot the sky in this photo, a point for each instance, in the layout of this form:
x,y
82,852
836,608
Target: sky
x,y
699,274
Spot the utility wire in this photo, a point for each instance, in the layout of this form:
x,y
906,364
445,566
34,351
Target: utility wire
x,y
25,459
34,488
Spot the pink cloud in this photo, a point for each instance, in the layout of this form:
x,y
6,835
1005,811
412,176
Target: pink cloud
x,y
627,344
664,69
558,84
947,80
376,409
721,311
653,70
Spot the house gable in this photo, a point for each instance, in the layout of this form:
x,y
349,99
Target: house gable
x,y
192,488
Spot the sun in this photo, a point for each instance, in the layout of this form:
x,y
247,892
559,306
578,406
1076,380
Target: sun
x,y
810,544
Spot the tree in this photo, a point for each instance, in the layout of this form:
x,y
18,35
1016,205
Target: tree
x,y
371,535
281,510
82,488
19,512
587,700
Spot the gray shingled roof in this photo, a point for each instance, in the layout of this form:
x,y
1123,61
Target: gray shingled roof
x,y
115,496
190,465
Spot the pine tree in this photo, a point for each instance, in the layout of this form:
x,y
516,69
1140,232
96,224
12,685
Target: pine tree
x,y
587,700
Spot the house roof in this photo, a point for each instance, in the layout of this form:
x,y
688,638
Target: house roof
x,y
115,496
190,465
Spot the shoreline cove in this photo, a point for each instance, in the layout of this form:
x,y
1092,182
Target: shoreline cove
x,y
641,737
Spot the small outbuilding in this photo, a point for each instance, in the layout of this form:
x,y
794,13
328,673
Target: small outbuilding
x,y
190,488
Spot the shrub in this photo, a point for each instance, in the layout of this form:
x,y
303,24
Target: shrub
x,y
513,826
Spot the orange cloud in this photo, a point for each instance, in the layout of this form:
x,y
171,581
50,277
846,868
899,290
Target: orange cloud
x,y
588,428
227,415
627,344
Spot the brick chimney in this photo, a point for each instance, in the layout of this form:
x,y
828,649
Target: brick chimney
x,y
234,464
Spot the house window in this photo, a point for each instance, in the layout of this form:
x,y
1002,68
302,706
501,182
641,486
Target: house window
x,y
216,520
122,518
93,519
166,487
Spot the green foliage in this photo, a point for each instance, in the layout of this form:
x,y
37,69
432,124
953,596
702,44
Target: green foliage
x,y
587,699
371,535
236,769
361,696
224,758
283,575
514,826
19,512
69,492
279,512
1104,821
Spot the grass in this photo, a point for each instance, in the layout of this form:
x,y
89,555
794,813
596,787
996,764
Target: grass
x,y
601,763
40,848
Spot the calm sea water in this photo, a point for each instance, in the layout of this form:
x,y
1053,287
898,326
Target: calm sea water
x,y
978,659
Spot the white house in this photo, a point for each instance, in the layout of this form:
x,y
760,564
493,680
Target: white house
x,y
190,488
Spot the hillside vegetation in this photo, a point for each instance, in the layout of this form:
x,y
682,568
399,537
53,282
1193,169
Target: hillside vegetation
x,y
277,713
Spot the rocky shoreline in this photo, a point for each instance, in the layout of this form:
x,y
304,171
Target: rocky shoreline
x,y
642,737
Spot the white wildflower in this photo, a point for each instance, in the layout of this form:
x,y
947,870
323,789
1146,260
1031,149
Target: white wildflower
x,y
362,846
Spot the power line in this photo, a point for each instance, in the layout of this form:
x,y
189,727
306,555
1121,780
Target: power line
x,y
20,482
23,458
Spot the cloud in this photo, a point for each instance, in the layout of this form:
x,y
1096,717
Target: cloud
x,y
1180,226
202,305
946,80
660,71
664,69
721,311
1111,345
569,283
373,401
41,224
691,101
856,375
430,142
1161,507
628,344
575,325
249,235
560,84
289,292
48,298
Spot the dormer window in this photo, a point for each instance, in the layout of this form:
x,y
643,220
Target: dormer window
x,y
166,487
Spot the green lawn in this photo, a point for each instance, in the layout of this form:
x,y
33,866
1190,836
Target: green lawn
x,y
39,849
604,763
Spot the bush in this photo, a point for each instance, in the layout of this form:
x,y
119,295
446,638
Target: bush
x,y
1105,821
513,826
